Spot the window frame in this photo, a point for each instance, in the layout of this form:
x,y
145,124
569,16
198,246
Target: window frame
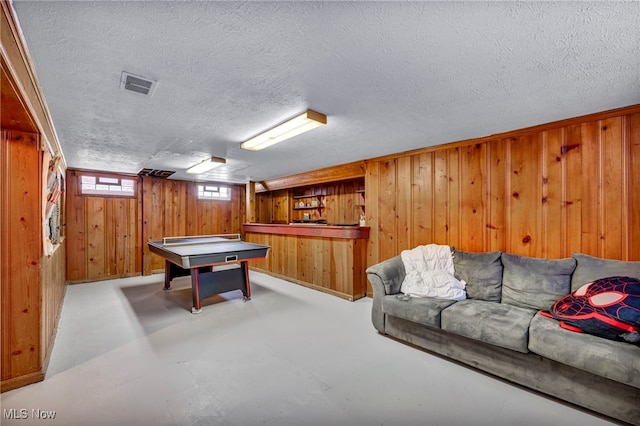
x,y
227,187
106,193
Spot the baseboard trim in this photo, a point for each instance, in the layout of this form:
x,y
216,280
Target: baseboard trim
x,y
18,382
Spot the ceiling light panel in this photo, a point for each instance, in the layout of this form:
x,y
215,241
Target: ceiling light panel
x,y
302,123
206,165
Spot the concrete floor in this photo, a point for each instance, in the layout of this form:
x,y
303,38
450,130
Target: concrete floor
x,y
127,353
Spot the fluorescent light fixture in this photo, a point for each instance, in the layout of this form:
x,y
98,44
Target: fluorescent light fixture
x,y
206,165
300,124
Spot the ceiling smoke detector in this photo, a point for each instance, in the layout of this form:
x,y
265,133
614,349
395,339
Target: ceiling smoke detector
x,y
137,83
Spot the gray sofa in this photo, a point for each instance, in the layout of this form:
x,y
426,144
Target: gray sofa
x,y
499,328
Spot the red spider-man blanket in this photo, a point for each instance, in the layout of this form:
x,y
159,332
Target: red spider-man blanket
x,y
608,307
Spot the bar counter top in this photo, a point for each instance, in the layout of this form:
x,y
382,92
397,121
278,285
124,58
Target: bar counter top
x,y
309,230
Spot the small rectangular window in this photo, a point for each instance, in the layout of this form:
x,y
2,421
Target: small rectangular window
x,y
214,192
107,185
103,179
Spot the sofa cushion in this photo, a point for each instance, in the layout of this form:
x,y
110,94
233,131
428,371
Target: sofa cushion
x,y
607,307
490,322
482,272
422,310
534,283
617,361
591,268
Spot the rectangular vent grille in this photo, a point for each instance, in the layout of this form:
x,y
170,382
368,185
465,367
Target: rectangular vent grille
x,y
137,83
156,173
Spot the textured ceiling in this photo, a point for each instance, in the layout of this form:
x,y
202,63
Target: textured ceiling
x,y
390,76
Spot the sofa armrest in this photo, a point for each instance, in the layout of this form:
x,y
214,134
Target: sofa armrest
x,y
388,276
385,278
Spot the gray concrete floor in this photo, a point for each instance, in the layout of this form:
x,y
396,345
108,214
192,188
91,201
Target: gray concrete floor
x,y
127,353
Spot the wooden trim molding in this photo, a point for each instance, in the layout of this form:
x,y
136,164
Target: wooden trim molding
x,y
20,381
328,174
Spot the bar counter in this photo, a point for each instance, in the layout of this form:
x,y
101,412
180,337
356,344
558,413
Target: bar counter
x,y
328,258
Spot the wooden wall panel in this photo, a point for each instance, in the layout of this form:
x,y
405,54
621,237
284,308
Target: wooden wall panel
x,y
421,199
387,210
553,220
164,215
526,197
498,202
634,185
548,191
472,196
341,201
280,203
572,201
403,203
453,200
591,188
372,208
614,198
53,285
102,234
21,254
273,207
76,240
441,198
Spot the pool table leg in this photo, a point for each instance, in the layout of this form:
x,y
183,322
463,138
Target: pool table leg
x,y
167,275
247,284
195,291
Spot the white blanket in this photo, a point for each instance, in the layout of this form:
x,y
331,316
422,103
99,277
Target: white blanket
x,y
430,273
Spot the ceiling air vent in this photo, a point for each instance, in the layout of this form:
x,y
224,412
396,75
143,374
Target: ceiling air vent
x,y
137,83
156,173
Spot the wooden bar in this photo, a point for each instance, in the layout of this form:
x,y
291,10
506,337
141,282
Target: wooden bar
x,y
331,259
311,230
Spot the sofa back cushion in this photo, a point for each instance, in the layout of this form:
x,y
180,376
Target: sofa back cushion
x,y
482,272
530,282
591,268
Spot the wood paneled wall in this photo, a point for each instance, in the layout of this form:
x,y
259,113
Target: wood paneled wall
x,y
106,235
342,202
103,236
53,284
21,253
273,207
172,208
548,191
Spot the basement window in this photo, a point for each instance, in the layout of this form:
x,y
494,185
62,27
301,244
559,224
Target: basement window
x,y
107,185
214,192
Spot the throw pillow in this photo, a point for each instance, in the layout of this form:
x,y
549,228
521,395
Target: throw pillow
x,y
529,282
607,307
482,272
